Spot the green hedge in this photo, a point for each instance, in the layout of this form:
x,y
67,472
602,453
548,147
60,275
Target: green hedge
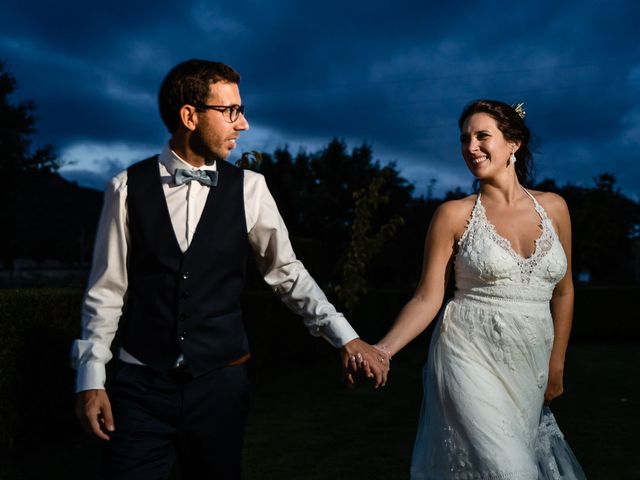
x,y
36,328
38,325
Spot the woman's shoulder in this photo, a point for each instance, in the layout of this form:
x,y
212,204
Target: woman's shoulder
x,y
455,213
550,201
555,206
460,206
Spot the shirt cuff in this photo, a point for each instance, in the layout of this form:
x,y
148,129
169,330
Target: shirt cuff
x,y
338,332
91,376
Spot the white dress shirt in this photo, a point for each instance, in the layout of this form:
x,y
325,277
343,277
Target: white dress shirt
x,y
269,240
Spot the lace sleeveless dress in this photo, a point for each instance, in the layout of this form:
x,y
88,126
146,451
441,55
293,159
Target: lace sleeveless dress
x,y
486,373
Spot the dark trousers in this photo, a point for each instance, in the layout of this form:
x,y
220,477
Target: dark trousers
x,y
159,417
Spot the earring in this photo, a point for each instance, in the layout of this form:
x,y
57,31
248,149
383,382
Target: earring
x,y
512,158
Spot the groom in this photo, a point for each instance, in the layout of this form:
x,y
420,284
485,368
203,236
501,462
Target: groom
x,y
168,270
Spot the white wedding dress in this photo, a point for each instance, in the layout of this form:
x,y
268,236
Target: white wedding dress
x,y
486,374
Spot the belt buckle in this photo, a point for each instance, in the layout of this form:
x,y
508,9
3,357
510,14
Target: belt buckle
x,y
181,372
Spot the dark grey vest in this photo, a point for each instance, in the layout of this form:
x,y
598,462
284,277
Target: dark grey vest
x,y
185,302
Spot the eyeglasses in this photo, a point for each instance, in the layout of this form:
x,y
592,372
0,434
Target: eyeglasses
x,y
229,112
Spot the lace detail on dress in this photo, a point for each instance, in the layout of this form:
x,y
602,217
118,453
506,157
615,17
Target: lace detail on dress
x,y
462,467
502,350
555,459
458,455
469,230
542,244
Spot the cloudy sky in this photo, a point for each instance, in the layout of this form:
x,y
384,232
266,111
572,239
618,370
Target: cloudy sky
x,y
392,74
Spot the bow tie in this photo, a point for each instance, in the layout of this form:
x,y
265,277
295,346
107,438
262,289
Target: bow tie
x,y
205,177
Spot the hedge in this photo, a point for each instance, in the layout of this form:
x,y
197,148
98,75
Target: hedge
x,y
36,326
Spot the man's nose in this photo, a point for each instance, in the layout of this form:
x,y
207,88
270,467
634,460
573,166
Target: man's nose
x,y
242,123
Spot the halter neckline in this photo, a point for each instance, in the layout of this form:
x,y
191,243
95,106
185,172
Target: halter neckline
x,y
505,242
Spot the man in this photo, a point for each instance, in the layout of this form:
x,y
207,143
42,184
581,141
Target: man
x,y
169,259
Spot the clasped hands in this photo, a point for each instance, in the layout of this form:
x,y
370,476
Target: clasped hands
x,y
372,361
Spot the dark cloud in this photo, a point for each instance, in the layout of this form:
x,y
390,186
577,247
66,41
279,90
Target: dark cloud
x,y
394,75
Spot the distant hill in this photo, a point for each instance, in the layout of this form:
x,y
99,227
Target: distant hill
x,y
49,218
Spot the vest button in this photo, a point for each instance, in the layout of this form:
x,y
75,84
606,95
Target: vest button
x,y
186,294
186,275
184,334
183,316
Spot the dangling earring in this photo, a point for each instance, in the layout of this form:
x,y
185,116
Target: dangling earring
x,y
512,158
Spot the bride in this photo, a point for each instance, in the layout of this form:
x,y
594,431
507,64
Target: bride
x,y
498,349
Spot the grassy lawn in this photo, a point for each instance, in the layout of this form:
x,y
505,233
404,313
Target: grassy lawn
x,y
305,424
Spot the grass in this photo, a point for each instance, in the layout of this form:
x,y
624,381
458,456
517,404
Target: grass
x,y
600,412
304,424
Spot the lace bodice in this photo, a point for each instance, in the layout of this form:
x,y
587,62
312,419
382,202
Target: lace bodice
x,y
487,265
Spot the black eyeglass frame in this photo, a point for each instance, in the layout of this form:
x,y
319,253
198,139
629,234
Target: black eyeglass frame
x,y
234,111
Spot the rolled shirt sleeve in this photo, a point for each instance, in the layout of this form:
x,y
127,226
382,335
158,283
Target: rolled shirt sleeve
x,y
280,268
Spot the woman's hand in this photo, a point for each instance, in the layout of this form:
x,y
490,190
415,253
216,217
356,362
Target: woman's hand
x,y
555,387
360,357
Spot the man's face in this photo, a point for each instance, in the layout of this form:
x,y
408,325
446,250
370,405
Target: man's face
x,y
214,136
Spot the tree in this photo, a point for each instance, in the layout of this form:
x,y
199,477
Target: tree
x,y
314,193
43,215
365,242
604,222
17,125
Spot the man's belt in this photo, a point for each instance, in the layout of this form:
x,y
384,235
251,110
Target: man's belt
x,y
182,369
242,359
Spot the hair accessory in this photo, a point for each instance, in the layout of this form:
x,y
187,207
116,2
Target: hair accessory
x,y
519,108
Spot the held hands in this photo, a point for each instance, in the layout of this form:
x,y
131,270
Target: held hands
x,y
94,412
372,361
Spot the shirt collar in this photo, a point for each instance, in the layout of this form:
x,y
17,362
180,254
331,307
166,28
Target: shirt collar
x,y
172,161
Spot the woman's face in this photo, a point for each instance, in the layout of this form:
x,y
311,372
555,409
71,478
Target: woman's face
x,y
484,148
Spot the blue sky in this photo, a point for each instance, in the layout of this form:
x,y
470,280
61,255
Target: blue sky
x,y
393,74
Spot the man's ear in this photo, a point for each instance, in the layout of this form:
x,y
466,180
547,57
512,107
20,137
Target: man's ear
x,y
189,117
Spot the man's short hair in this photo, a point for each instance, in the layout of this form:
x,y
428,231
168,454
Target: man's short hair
x,y
188,84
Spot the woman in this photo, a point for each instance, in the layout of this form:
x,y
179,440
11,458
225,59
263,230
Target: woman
x,y
497,353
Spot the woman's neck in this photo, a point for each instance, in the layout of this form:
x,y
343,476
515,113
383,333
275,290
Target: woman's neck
x,y
503,190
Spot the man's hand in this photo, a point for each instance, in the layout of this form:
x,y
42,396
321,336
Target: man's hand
x,y
359,356
94,412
